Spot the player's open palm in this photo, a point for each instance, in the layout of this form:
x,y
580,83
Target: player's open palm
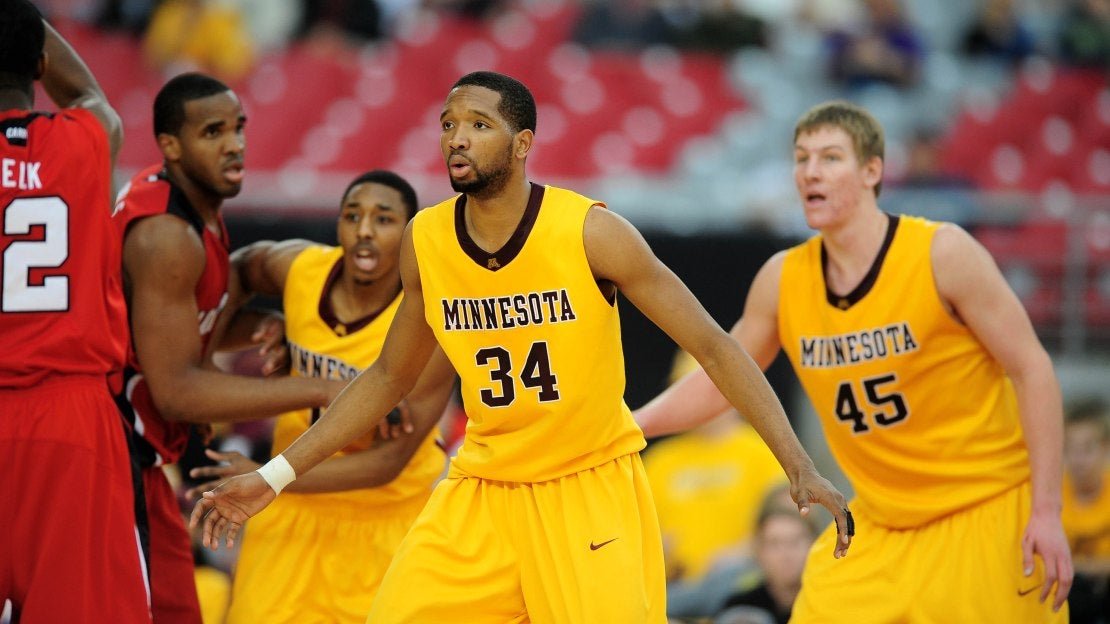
x,y
227,507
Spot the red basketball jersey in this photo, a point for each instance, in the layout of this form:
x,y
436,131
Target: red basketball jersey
x,y
149,193
62,309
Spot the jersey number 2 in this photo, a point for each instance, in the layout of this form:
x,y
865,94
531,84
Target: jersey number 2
x,y
535,374
890,406
19,294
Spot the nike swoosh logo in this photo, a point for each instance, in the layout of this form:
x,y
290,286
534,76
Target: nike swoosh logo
x,y
594,546
1028,591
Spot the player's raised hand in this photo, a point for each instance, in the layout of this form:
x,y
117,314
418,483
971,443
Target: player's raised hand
x,y
813,488
227,507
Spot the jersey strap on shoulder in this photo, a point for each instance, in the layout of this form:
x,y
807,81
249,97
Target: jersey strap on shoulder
x,y
15,129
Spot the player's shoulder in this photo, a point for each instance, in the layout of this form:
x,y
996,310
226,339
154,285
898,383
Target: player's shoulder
x,y
307,253
950,240
147,185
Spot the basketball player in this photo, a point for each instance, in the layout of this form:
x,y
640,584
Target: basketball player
x,y
69,550
175,267
350,511
545,514
935,395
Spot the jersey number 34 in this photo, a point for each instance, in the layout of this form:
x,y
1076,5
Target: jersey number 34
x,y
535,374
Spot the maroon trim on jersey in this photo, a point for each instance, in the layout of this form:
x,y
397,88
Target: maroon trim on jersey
x,y
501,257
864,287
327,312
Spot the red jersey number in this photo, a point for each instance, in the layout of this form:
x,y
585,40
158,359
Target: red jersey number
x,y
22,256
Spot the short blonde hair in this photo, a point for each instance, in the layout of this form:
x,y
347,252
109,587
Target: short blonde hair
x,y
861,126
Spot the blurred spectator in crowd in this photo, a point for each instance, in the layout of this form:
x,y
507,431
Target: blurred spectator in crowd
x,y
715,26
130,15
782,541
999,32
331,20
1086,514
198,35
469,9
884,47
271,24
923,164
621,24
1084,37
707,484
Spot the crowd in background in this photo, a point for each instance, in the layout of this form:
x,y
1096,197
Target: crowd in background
x,y
866,40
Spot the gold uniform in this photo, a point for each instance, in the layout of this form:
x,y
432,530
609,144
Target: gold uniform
x,y
546,515
320,557
924,422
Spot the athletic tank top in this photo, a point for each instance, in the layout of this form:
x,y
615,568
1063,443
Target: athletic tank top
x,y
535,342
923,421
62,309
322,347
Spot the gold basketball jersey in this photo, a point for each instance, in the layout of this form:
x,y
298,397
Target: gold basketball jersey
x,y
536,344
921,418
323,347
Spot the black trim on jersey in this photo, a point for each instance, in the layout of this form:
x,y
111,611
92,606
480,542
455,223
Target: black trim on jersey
x,y
864,287
512,247
179,206
327,312
20,122
140,454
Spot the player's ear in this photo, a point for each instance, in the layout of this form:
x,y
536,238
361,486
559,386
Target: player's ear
x,y
873,171
522,143
170,146
40,66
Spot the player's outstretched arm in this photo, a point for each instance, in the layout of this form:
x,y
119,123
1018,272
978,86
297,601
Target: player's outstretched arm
x,y
372,467
619,254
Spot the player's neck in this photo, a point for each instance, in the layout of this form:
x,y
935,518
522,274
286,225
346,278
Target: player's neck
x,y
352,301
12,98
206,204
491,221
851,249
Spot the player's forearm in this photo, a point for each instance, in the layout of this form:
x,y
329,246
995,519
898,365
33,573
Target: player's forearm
x,y
364,469
687,403
1040,406
70,83
747,389
206,396
356,410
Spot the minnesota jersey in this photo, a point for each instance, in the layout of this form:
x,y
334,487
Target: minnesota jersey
x,y
320,346
62,309
150,193
535,342
921,418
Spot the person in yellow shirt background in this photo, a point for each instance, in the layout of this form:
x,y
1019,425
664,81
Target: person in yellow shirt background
x,y
1086,513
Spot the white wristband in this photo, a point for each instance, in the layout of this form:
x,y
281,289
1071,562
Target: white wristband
x,y
277,473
